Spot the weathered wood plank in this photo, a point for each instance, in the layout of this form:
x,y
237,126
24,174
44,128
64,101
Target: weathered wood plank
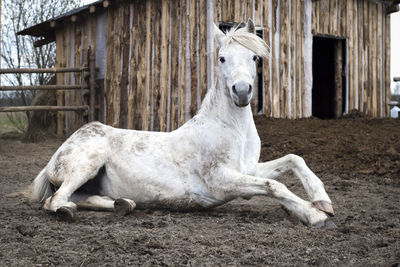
x,y
267,65
78,122
157,64
193,57
175,20
68,102
203,49
133,65
141,73
184,23
292,59
374,42
123,121
109,65
303,52
298,58
60,80
378,51
284,53
387,64
147,90
360,37
275,60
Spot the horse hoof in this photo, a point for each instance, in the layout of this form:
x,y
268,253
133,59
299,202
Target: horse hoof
x,y
327,224
325,207
123,207
66,214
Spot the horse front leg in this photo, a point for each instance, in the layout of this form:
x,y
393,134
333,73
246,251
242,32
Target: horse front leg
x,y
311,183
233,184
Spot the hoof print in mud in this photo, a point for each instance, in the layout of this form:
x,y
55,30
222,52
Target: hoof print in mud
x,y
327,224
66,214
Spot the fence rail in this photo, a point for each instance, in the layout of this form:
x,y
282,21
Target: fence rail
x,y
43,108
48,70
43,87
88,72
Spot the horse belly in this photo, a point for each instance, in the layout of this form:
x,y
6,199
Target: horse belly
x,y
154,183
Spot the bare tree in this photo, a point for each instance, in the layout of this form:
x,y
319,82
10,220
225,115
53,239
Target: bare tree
x,y
19,52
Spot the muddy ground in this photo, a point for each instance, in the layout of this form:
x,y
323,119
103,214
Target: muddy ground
x,y
357,158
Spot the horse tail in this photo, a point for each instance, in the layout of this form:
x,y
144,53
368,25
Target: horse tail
x,y
39,190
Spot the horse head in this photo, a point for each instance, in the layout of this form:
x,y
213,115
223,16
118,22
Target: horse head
x,y
238,52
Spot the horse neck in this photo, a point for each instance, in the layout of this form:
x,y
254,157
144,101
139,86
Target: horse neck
x,y
218,104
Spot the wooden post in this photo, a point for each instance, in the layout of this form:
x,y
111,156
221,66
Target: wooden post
x,y
92,83
338,77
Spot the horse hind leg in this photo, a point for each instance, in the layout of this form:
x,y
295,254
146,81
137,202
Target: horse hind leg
x,y
70,172
121,206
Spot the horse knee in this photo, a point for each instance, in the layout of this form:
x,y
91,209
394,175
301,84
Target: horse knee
x,y
294,160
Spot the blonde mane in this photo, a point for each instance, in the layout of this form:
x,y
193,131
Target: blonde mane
x,y
248,40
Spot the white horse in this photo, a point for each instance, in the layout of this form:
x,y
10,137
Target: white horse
x,y
210,160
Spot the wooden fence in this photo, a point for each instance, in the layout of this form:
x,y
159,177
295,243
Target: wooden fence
x,y
86,88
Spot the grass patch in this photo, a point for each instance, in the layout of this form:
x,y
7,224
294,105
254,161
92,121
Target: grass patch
x,y
15,121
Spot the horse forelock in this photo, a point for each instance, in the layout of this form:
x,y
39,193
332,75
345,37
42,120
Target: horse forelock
x,y
249,40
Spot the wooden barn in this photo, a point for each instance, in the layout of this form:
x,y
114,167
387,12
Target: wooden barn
x,y
155,58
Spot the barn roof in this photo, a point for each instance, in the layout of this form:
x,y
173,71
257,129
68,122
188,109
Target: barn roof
x,y
46,30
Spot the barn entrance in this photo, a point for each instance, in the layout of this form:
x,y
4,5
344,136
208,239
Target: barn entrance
x,y
329,79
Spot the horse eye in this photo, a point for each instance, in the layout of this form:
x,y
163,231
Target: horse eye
x,y
254,58
222,59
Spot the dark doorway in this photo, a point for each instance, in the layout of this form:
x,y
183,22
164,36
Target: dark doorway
x,y
329,79
257,103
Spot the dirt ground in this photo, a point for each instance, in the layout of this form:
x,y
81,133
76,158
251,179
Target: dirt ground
x,y
357,158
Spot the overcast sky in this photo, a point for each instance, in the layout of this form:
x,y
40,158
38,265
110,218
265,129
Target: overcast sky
x,y
395,45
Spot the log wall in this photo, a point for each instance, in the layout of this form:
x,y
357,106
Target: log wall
x,y
367,29
156,58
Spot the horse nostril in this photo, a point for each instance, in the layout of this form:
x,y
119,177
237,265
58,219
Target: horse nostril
x,y
250,88
234,90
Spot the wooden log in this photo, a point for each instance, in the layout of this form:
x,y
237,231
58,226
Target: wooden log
x,y
182,104
68,99
338,51
275,61
116,70
141,73
374,42
203,48
43,108
379,67
303,52
60,80
133,65
292,59
158,64
92,84
267,65
175,20
42,87
146,115
360,70
164,64
298,58
387,66
110,61
49,70
193,57
123,120
284,54
349,33
78,79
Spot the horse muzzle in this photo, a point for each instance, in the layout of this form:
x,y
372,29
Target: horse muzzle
x,y
242,93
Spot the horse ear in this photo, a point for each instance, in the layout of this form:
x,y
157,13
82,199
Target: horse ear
x,y
218,35
250,26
